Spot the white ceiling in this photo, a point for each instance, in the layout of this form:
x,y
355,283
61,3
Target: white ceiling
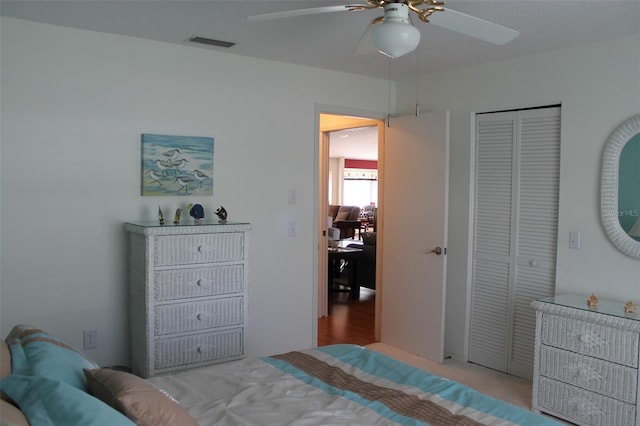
x,y
329,40
360,143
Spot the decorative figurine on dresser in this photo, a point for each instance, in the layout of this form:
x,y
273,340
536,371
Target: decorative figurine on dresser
x,y
586,360
196,211
188,295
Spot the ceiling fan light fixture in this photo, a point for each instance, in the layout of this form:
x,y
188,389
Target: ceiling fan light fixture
x,y
395,36
395,40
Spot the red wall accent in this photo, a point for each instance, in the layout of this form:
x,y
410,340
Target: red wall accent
x,y
360,164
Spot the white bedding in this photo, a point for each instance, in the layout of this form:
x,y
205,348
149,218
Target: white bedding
x,y
340,384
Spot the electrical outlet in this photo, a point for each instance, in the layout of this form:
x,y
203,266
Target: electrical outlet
x,y
90,338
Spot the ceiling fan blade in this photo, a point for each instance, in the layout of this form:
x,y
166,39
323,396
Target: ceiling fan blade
x,y
472,26
302,12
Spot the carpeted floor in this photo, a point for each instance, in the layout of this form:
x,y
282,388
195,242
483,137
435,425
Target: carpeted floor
x,y
502,386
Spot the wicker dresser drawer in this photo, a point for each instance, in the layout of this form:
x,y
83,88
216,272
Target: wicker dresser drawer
x,y
588,338
199,348
199,248
606,378
582,406
198,282
193,316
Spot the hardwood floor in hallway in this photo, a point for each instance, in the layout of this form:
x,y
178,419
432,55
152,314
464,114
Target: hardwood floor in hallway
x,y
350,321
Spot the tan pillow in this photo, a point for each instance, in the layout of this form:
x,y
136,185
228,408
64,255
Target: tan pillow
x,y
139,400
342,216
5,367
11,415
5,360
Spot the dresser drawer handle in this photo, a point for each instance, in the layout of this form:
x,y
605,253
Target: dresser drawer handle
x,y
203,349
205,249
585,372
197,316
589,339
199,283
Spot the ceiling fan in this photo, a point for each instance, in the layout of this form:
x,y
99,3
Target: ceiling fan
x,y
394,34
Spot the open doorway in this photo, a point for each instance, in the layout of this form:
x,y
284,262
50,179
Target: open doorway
x,y
349,197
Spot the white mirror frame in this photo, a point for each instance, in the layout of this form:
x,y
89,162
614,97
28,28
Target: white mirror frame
x,y
609,187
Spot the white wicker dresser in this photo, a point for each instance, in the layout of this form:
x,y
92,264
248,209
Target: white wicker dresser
x,y
188,295
586,361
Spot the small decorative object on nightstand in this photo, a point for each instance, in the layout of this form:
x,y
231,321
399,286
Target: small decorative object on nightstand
x,y
630,308
592,301
196,211
222,214
176,218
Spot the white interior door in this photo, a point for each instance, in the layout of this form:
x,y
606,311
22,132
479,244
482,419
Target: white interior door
x,y
416,158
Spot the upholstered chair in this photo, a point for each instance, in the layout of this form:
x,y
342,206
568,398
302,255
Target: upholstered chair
x,y
347,220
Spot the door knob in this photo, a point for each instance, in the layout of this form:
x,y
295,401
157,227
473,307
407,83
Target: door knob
x,y
436,250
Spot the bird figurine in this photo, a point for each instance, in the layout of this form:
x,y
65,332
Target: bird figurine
x,y
160,216
222,214
196,211
176,217
592,301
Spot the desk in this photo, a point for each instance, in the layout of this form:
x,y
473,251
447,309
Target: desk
x,y
349,254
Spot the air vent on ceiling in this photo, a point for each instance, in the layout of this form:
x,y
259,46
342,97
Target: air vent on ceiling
x,y
211,42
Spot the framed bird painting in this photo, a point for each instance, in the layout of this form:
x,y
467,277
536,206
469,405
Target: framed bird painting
x,y
177,165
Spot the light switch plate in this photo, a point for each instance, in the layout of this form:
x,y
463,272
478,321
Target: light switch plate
x,y
574,239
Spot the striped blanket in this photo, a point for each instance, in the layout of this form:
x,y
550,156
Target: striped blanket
x,y
339,384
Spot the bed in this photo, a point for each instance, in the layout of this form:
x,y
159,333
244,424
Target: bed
x,y
331,385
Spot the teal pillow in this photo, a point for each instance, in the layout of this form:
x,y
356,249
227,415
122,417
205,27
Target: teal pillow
x,y
45,402
37,353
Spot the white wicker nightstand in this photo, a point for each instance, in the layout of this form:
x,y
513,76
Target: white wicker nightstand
x,y
188,295
586,362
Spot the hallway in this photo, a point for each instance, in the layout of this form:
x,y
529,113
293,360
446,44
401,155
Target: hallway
x,y
351,321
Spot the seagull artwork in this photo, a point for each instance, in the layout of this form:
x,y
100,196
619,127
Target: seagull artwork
x,y
179,164
156,176
200,176
184,182
172,154
163,165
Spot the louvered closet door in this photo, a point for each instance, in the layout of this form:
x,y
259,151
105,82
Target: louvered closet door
x,y
517,180
492,255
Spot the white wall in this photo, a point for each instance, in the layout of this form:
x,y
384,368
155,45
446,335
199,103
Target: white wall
x,y
598,86
74,104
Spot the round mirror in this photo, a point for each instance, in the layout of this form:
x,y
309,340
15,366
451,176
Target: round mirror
x,y
620,187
